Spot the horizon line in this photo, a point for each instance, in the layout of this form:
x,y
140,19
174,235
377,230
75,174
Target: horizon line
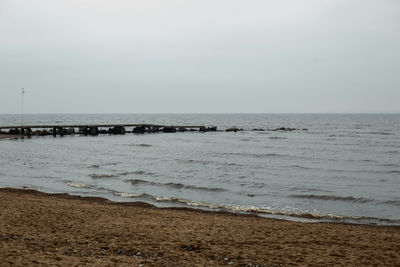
x,y
199,113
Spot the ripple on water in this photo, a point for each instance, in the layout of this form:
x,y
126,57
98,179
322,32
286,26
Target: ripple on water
x,y
139,145
78,185
334,198
100,176
175,185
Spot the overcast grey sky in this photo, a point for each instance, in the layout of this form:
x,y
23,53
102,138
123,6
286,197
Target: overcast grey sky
x,y
200,56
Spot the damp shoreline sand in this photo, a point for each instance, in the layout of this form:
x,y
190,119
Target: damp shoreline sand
x,y
58,229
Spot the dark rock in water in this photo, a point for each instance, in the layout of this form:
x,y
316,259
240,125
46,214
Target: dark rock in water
x,y
202,129
153,129
305,129
139,130
233,129
61,131
14,131
258,130
93,131
170,129
82,130
212,129
70,130
120,129
117,130
284,129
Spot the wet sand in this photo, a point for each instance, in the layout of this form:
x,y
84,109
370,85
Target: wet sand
x,y
62,230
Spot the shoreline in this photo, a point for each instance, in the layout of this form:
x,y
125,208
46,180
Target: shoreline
x,y
42,228
301,218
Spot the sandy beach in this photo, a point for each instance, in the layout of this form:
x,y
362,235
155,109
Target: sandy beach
x,y
62,230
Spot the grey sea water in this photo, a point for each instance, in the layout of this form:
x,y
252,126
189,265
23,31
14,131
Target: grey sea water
x,y
345,167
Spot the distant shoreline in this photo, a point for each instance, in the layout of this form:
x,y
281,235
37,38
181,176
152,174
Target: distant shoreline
x,y
43,228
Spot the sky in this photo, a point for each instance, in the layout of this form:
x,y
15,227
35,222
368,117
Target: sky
x,y
200,56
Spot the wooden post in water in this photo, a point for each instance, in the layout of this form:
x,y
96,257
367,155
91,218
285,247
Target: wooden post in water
x,y
22,108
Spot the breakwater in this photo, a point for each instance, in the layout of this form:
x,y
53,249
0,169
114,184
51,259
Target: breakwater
x,y
96,129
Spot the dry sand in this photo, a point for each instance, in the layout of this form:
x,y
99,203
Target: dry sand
x,y
62,230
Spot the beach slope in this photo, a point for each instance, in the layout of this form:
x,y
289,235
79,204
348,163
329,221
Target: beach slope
x,y
43,229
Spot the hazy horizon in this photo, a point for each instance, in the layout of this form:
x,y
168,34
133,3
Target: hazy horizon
x,y
227,56
217,113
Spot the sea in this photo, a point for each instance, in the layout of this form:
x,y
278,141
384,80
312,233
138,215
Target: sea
x,y
333,168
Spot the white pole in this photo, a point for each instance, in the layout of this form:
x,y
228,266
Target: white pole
x,y
22,107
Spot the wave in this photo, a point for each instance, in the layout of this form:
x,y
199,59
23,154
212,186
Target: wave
x,y
255,185
193,161
96,166
125,173
380,133
206,162
298,167
360,172
392,202
277,138
141,172
121,194
263,155
71,184
390,165
392,152
176,185
367,160
141,145
306,189
99,176
334,198
264,211
231,164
